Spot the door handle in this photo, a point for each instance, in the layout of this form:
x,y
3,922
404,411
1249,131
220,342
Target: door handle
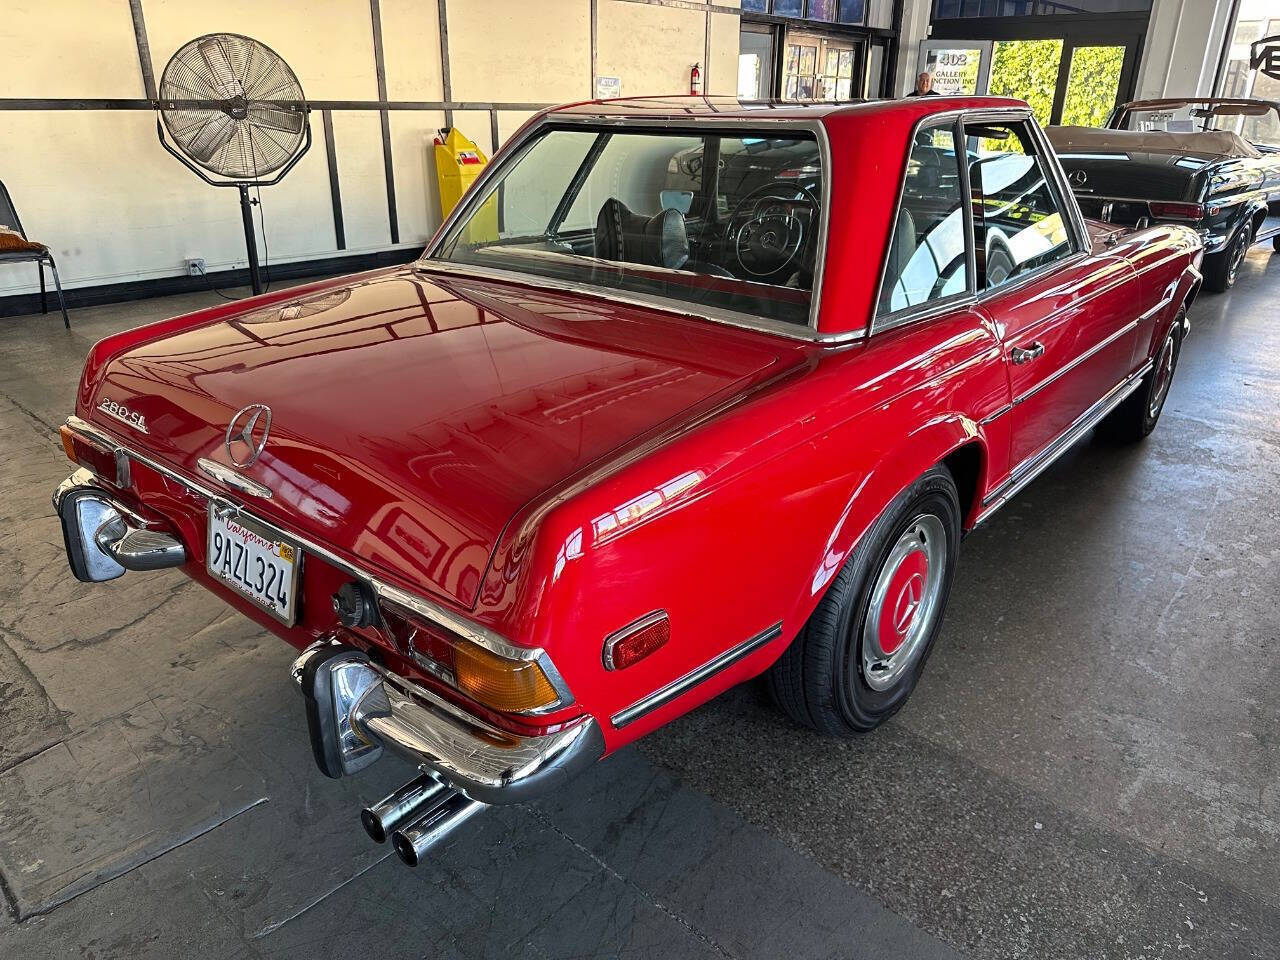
x,y
1027,354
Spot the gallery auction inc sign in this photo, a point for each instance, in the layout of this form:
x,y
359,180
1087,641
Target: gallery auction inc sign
x,y
1264,56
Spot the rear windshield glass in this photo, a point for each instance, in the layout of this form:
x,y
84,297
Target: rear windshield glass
x,y
715,220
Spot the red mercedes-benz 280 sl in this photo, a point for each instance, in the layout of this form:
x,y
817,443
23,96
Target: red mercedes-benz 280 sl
x,y
685,391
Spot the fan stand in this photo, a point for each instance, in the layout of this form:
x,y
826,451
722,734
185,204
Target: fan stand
x,y
250,239
246,204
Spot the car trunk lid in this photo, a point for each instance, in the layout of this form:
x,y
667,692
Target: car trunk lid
x,y
411,416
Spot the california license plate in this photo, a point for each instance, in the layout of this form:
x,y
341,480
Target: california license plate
x,y
256,562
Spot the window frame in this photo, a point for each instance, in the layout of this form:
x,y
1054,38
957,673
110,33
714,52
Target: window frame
x,y
889,320
1077,232
539,127
1073,220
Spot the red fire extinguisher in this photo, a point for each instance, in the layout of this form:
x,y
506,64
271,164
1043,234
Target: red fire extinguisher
x,y
695,80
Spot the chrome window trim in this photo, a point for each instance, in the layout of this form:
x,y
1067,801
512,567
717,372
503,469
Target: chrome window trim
x,y
664,695
1077,231
929,307
1038,462
731,318
430,259
475,633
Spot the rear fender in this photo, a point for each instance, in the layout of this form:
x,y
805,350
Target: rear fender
x,y
915,454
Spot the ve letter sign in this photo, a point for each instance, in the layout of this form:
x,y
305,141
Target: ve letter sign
x,y
1264,55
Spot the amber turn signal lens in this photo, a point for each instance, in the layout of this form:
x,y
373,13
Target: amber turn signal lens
x,y
506,685
68,443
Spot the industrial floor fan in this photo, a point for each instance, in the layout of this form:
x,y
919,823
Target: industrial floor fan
x,y
233,108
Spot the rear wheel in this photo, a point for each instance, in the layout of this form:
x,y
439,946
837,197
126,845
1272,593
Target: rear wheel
x,y
864,648
1275,242
1221,269
1138,415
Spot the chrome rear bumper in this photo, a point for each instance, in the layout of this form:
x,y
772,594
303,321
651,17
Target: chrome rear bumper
x,y
355,708
104,538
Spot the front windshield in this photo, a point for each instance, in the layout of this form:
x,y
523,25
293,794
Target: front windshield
x,y
715,220
1257,123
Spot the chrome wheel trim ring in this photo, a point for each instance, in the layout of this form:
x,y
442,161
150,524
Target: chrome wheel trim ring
x,y
1237,258
904,602
1163,378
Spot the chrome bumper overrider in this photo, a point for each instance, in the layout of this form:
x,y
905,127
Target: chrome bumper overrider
x,y
355,708
104,538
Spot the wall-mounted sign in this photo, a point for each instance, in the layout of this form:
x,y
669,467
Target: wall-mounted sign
x,y
1264,56
955,70
608,88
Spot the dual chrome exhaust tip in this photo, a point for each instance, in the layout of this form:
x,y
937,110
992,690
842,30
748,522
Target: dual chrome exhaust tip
x,y
418,816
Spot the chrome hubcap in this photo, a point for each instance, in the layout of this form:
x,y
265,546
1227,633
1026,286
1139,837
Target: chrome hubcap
x,y
1163,375
1237,257
904,602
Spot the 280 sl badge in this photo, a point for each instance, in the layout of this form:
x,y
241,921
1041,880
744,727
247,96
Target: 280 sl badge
x,y
123,414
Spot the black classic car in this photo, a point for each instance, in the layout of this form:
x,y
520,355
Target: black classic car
x,y
1212,164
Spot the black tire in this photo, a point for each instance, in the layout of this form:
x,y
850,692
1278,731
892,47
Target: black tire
x,y
1221,269
821,680
1275,242
1140,412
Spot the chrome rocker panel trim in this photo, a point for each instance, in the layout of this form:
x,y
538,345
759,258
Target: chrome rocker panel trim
x,y
1034,465
483,762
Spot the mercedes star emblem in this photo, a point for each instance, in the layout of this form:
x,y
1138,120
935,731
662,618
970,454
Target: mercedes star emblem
x,y
908,603
247,434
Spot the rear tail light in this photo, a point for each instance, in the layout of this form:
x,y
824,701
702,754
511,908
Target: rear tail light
x,y
504,684
99,459
633,643
1163,210
512,686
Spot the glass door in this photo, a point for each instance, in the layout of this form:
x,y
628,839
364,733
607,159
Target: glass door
x,y
820,67
1076,78
1028,70
755,62
1093,85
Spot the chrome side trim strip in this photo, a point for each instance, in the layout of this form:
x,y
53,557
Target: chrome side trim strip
x,y
1092,351
1168,299
992,417
1034,465
675,688
474,632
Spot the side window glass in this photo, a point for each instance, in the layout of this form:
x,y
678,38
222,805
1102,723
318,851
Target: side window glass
x,y
927,258
1018,223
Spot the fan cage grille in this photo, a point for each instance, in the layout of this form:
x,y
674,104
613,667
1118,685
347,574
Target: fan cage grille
x,y
233,106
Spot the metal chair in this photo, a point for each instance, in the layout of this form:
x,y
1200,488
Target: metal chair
x,y
41,256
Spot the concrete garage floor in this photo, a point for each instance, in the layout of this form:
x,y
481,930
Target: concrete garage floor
x,y
1089,769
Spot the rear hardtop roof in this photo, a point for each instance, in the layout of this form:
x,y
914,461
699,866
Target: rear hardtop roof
x,y
676,108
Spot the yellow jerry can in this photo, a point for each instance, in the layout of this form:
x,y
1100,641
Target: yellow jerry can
x,y
458,163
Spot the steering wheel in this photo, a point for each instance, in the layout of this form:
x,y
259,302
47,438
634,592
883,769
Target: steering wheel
x,y
769,229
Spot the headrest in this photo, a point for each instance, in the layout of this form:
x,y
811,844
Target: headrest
x,y
659,241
